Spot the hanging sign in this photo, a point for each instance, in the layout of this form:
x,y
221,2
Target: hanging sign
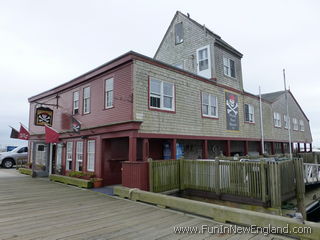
x,y
44,116
232,108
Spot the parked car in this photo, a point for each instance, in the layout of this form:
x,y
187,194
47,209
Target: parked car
x,y
8,159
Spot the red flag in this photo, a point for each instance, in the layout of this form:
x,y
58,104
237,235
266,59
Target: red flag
x,y
52,136
23,134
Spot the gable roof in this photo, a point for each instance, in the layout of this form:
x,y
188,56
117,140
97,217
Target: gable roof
x,y
219,41
274,96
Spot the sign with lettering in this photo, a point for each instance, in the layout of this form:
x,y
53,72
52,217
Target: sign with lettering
x,y
43,116
232,111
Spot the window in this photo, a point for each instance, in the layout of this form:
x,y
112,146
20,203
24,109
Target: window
x,y
178,29
79,156
86,100
91,155
277,119
209,105
108,93
75,102
286,121
249,113
203,62
229,67
295,124
301,123
69,156
59,157
161,95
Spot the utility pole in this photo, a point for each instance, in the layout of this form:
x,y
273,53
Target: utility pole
x,y
288,117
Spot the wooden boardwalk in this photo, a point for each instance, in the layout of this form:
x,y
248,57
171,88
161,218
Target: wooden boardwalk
x,y
39,209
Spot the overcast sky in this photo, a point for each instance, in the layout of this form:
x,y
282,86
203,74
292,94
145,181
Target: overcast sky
x,y
46,43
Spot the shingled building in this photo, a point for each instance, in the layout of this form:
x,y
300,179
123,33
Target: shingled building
x,y
188,101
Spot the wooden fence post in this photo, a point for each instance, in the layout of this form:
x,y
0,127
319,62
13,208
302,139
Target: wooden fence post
x,y
300,189
275,185
263,182
217,176
150,175
181,174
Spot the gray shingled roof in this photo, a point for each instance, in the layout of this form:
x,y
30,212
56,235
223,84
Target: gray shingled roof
x,y
271,97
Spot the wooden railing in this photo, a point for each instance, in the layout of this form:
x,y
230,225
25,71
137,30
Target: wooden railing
x,y
262,181
311,173
164,175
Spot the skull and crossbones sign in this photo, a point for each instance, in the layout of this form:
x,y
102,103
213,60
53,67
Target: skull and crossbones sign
x,y
232,105
44,118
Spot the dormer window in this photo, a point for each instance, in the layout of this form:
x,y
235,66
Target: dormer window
x,y
203,62
229,67
178,29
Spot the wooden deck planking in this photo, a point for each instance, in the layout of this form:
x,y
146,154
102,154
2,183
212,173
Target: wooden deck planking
x,y
39,209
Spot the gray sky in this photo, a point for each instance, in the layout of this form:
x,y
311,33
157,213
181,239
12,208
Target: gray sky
x,y
46,43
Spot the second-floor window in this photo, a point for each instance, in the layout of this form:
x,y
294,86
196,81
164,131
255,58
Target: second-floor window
x,y
75,102
161,95
229,67
178,31
277,119
108,93
209,105
301,123
86,100
286,121
203,62
295,124
249,113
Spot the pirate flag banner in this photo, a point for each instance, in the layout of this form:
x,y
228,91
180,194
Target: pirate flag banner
x,y
76,125
232,108
44,116
24,133
14,133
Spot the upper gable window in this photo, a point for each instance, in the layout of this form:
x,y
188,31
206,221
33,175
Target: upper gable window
x,y
203,62
178,29
295,124
229,67
277,119
301,123
286,121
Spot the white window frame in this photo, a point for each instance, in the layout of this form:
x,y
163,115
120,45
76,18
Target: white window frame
x,y
176,40
76,98
209,105
59,156
227,67
162,95
301,124
251,113
109,93
79,155
286,121
277,119
91,155
86,100
295,124
206,72
69,155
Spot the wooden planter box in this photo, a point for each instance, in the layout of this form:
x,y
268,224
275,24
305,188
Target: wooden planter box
x,y
26,171
71,181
